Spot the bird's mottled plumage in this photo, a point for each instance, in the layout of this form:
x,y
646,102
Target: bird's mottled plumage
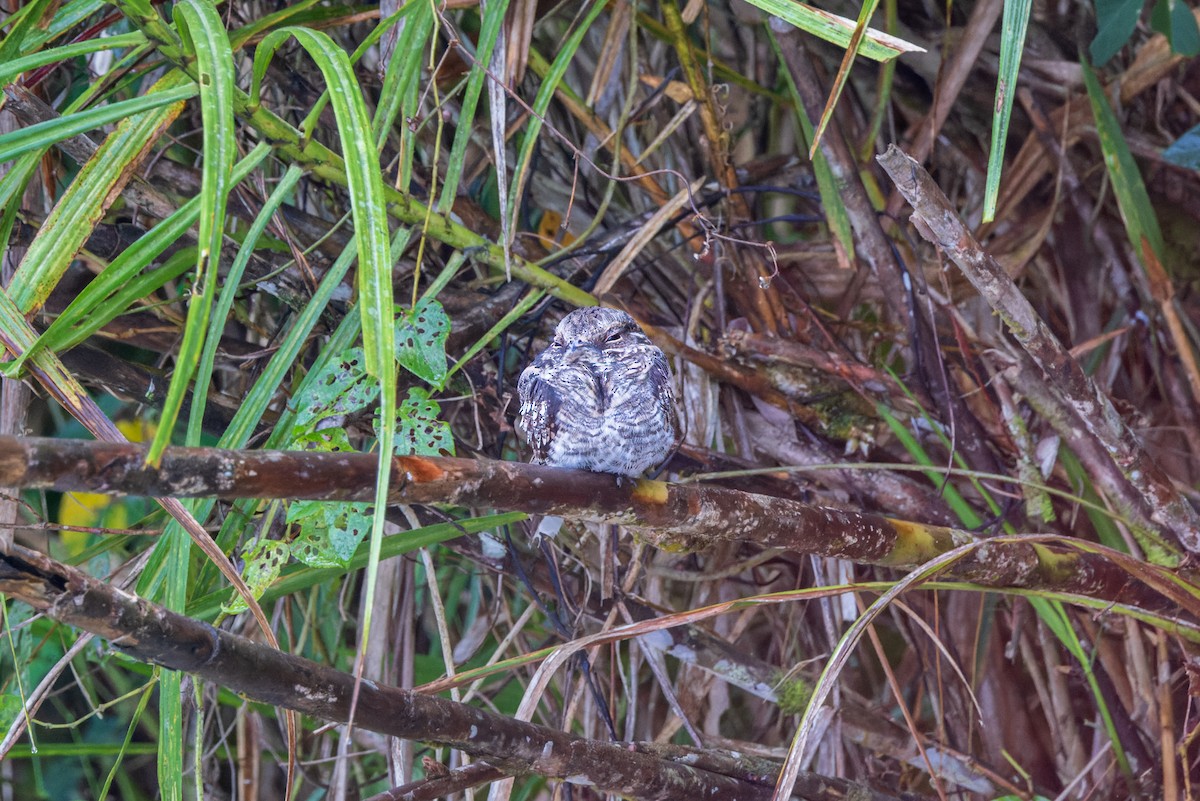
x,y
599,398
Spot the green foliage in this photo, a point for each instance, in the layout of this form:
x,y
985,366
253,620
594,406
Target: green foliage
x,y
340,388
263,562
1174,19
376,147
833,28
11,707
329,532
1185,151
1012,44
421,341
1141,223
1116,20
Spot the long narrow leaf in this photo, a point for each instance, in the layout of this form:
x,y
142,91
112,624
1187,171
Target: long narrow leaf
x,y
11,70
1012,44
545,93
87,199
489,32
41,134
839,30
369,208
203,33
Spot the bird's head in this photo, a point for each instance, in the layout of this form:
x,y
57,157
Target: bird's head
x,y
593,329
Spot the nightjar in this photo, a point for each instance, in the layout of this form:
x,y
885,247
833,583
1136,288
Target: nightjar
x,y
599,398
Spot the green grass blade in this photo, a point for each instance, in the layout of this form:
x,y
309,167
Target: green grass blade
x,y
876,46
86,200
204,38
836,216
558,69
489,32
203,34
1012,44
22,25
1141,223
65,20
364,183
41,134
1054,616
401,82
843,73
957,503
265,390
229,289
369,208
11,70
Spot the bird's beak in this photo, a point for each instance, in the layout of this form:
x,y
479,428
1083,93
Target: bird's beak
x,y
579,350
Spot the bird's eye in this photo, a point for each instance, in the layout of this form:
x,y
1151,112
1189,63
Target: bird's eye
x,y
614,337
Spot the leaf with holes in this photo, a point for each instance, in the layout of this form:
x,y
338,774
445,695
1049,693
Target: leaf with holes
x,y
329,532
332,439
421,341
263,563
342,387
419,432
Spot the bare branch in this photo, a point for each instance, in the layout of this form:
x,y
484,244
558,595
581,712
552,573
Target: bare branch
x,y
150,633
680,517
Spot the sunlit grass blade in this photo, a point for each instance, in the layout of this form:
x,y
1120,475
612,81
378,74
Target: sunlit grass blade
x,y
1140,220
558,69
230,288
843,73
1054,615
23,25
204,40
489,31
836,216
1141,223
876,45
11,70
265,391
401,82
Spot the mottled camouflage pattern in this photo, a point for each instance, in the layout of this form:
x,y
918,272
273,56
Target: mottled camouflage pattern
x,y
600,397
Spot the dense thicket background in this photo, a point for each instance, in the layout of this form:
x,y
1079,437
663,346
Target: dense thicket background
x,y
537,156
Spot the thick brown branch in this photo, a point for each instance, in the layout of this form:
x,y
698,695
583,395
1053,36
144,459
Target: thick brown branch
x,y
669,515
150,633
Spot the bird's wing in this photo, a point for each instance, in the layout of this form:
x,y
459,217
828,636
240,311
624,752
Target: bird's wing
x,y
540,402
660,379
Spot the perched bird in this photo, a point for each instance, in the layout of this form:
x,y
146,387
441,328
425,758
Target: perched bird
x,y
600,397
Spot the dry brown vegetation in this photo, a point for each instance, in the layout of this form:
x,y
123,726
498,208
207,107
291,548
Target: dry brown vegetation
x,y
938,473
